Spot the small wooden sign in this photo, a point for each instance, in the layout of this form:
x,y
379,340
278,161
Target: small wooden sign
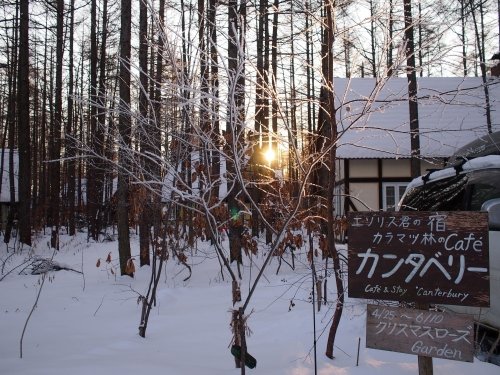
x,y
420,332
250,361
425,257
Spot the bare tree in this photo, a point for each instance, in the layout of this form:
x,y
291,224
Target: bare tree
x,y
124,128
145,220
70,130
10,126
55,165
24,130
480,44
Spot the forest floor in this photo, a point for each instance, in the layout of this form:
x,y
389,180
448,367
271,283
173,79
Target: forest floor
x,y
87,323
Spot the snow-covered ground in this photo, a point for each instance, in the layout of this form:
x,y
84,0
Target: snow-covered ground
x,y
88,323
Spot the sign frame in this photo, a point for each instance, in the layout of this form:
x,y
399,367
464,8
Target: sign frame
x,y
424,257
420,332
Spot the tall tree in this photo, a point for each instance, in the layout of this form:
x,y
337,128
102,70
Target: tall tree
x,y
234,140
155,126
261,80
234,129
145,222
480,45
12,67
70,129
411,74
261,103
55,175
93,199
463,20
214,87
373,37
124,129
24,139
424,363
273,143
390,47
99,123
327,129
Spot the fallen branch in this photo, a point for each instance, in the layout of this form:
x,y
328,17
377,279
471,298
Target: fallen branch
x,y
29,316
10,271
41,266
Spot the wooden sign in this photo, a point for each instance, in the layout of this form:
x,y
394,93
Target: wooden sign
x,y
250,361
420,332
425,257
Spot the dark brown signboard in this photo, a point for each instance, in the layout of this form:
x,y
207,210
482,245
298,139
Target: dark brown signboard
x,y
427,257
420,332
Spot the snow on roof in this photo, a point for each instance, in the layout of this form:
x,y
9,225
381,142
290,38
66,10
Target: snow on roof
x,y
373,120
5,186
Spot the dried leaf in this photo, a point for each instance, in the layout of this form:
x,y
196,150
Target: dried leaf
x,y
298,240
130,267
182,257
310,256
98,264
108,259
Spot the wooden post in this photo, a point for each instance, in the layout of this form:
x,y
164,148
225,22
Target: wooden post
x,y
357,356
235,322
424,363
242,340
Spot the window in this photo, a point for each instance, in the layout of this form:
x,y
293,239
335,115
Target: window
x,y
463,192
391,194
440,195
483,186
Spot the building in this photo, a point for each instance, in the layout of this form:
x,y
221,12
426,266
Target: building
x,y
5,198
373,149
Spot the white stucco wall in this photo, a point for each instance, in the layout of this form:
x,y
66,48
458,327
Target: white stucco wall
x,y
364,196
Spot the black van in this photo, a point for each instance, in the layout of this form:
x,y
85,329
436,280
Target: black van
x,y
470,182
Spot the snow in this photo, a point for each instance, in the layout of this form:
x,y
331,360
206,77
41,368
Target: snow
x,y
87,323
373,118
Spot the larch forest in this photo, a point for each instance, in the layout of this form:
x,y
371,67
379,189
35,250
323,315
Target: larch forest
x,y
187,120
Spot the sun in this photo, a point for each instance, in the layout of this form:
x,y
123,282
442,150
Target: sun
x,y
269,155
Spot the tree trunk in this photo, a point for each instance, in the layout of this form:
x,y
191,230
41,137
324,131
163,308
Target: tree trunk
x,y
93,200
390,47
70,134
328,132
261,120
411,75
373,59
480,37
124,128
234,129
43,192
24,141
214,72
293,134
55,175
145,215
424,363
11,121
463,37
99,144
